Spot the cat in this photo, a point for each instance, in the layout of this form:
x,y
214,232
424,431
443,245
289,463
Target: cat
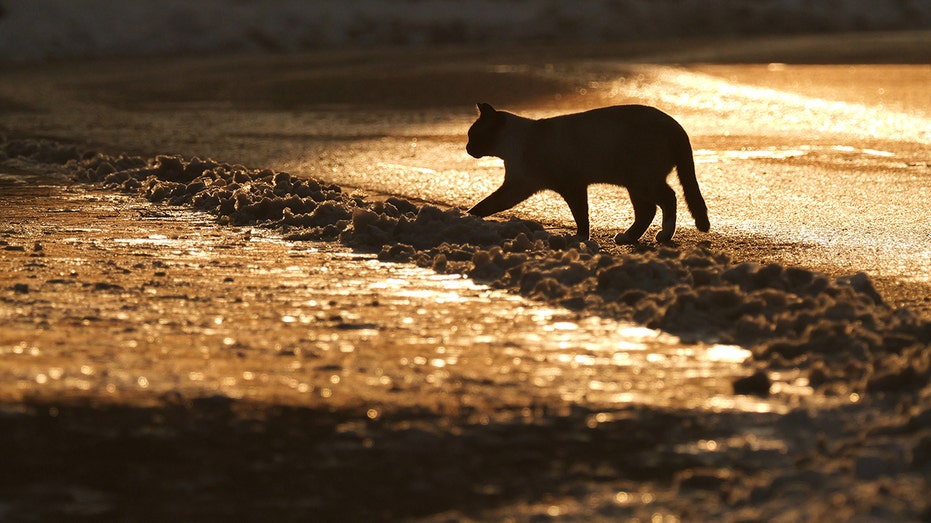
x,y
634,146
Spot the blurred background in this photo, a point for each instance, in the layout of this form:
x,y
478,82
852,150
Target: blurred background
x,y
42,29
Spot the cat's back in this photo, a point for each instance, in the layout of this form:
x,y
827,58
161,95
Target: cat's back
x,y
632,115
618,128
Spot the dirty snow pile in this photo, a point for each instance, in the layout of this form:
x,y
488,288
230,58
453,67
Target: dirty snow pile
x,y
32,29
839,331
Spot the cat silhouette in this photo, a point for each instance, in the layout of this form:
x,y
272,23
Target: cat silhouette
x,y
634,146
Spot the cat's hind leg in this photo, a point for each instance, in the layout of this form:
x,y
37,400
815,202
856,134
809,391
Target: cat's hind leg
x,y
666,198
578,204
644,212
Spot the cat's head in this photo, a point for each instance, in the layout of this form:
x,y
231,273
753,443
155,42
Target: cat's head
x,y
483,135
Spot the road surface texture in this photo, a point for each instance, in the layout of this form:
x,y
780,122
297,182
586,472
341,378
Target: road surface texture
x,y
162,362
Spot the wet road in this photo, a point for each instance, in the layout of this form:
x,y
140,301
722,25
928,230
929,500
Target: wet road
x,y
132,333
824,166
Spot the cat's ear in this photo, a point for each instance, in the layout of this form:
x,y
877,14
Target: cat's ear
x,y
484,109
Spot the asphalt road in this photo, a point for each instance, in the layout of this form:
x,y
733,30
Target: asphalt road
x,y
823,166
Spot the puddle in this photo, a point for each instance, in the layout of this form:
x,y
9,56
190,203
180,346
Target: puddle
x,y
783,153
769,153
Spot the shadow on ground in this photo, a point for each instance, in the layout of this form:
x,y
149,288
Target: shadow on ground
x,y
212,458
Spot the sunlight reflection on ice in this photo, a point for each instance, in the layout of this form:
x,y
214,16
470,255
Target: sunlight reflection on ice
x,y
588,358
582,358
730,353
779,111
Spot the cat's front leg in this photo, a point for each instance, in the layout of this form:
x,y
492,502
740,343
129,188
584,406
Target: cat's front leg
x,y
508,195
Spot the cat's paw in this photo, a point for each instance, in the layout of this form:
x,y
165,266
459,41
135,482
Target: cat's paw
x,y
623,239
664,236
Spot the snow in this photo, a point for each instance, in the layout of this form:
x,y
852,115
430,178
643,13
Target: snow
x,y
41,29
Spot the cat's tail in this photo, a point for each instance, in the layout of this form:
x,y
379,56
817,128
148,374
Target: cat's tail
x,y
685,168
